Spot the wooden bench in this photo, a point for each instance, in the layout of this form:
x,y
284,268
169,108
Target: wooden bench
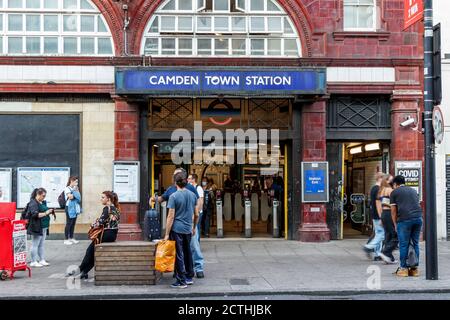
x,y
126,263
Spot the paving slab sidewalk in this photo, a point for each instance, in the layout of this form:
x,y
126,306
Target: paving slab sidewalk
x,y
241,267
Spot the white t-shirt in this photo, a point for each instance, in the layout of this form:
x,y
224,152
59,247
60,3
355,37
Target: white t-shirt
x,y
201,194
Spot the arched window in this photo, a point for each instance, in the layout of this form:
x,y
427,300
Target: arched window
x,y
220,28
53,27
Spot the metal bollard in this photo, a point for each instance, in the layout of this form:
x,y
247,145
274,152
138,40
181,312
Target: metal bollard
x,y
275,218
248,218
219,219
163,209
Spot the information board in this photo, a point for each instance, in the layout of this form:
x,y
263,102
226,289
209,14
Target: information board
x,y
412,171
53,180
315,182
5,184
126,180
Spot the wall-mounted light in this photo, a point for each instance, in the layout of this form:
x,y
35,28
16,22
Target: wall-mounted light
x,y
356,150
372,147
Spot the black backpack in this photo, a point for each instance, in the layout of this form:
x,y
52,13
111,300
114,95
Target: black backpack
x,y
62,200
25,215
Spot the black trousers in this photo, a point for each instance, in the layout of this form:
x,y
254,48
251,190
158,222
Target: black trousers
x,y
184,266
390,236
88,262
206,222
70,226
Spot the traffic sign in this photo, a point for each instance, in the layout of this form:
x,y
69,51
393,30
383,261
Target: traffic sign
x,y
438,125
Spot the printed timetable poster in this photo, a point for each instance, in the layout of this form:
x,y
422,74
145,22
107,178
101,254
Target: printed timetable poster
x,y
5,184
126,180
53,180
315,181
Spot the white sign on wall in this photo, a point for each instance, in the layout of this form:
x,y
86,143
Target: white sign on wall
x,y
412,171
53,180
126,180
5,184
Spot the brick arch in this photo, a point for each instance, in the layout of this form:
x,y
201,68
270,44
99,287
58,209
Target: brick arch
x,y
294,9
114,18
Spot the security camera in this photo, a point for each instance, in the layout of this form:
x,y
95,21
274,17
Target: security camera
x,y
409,121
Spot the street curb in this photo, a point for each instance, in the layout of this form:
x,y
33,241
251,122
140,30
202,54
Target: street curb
x,y
182,294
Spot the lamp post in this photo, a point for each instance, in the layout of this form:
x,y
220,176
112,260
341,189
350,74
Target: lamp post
x,y
431,255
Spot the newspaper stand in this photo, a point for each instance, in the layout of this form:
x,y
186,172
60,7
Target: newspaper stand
x,y
13,242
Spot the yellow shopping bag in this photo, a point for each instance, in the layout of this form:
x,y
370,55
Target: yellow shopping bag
x,y
165,256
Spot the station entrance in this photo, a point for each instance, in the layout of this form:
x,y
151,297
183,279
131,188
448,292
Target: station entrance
x,y
249,191
353,166
248,199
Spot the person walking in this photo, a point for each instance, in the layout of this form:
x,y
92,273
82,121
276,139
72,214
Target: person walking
x,y
39,223
109,219
73,209
383,204
208,206
407,218
376,243
197,255
181,226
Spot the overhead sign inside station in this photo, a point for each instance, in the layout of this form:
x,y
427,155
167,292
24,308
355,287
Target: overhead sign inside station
x,y
413,12
213,81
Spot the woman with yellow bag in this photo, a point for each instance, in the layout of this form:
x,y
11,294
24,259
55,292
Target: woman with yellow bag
x,y
182,217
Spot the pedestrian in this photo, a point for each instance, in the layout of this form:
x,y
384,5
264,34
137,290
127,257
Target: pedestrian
x,y
407,217
384,205
376,243
197,256
72,209
208,206
38,227
181,226
109,219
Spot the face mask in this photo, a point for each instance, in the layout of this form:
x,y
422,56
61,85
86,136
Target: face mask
x,y
204,183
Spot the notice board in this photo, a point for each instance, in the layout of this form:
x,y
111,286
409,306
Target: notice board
x,y
315,184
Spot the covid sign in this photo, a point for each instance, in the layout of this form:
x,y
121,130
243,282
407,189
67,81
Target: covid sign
x,y
412,172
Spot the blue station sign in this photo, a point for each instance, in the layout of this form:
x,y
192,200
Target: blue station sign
x,y
213,81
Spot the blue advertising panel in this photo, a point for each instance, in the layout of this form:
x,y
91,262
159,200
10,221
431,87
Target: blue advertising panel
x,y
243,81
315,182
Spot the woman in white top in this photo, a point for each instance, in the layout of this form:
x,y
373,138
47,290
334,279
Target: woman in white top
x,y
73,209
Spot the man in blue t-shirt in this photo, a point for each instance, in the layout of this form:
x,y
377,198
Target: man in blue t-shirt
x,y
173,188
181,222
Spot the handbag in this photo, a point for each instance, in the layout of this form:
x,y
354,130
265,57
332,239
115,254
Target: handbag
x,y
96,234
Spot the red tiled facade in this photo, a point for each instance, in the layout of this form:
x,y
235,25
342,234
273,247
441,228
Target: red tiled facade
x,y
319,24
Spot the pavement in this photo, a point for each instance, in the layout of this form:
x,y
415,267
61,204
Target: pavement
x,y
241,267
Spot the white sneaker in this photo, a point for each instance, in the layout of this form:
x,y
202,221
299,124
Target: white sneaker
x,y
74,241
36,264
44,263
68,242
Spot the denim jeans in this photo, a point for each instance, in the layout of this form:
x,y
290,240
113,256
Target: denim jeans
x,y
408,231
377,241
37,246
183,260
197,255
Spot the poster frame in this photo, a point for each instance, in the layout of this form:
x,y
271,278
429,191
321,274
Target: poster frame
x,y
10,170
327,184
137,198
420,167
19,169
